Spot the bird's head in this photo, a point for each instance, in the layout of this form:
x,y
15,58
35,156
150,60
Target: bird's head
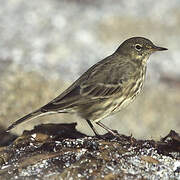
x,y
138,48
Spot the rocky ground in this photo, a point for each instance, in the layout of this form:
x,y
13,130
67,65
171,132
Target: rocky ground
x,y
54,151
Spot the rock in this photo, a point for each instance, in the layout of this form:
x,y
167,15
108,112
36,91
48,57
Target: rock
x,y
52,151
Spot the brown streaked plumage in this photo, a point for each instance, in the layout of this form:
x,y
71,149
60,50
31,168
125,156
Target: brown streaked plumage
x,y
106,87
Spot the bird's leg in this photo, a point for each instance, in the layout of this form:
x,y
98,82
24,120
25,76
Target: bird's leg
x,y
92,127
113,132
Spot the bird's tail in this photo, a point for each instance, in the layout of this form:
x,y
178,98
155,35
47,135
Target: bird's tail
x,y
32,115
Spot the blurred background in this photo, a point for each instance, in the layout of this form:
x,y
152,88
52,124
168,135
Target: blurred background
x,y
45,45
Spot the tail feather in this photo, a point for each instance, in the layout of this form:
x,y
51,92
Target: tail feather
x,y
25,118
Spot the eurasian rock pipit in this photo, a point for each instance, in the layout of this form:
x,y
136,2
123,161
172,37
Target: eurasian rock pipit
x,y
106,87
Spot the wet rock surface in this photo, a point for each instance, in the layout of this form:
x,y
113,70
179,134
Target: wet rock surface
x,y
58,151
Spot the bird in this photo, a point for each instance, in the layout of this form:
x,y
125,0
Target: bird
x,y
105,88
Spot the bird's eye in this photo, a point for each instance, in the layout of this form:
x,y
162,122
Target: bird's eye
x,y
138,47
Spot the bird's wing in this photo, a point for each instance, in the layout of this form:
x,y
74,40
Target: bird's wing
x,y
102,80
108,78
100,90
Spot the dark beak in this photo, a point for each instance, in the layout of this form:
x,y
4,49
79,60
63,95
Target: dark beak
x,y
156,48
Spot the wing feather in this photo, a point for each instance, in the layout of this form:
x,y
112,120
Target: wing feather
x,y
100,90
103,80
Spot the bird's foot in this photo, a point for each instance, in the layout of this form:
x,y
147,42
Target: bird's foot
x,y
109,136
